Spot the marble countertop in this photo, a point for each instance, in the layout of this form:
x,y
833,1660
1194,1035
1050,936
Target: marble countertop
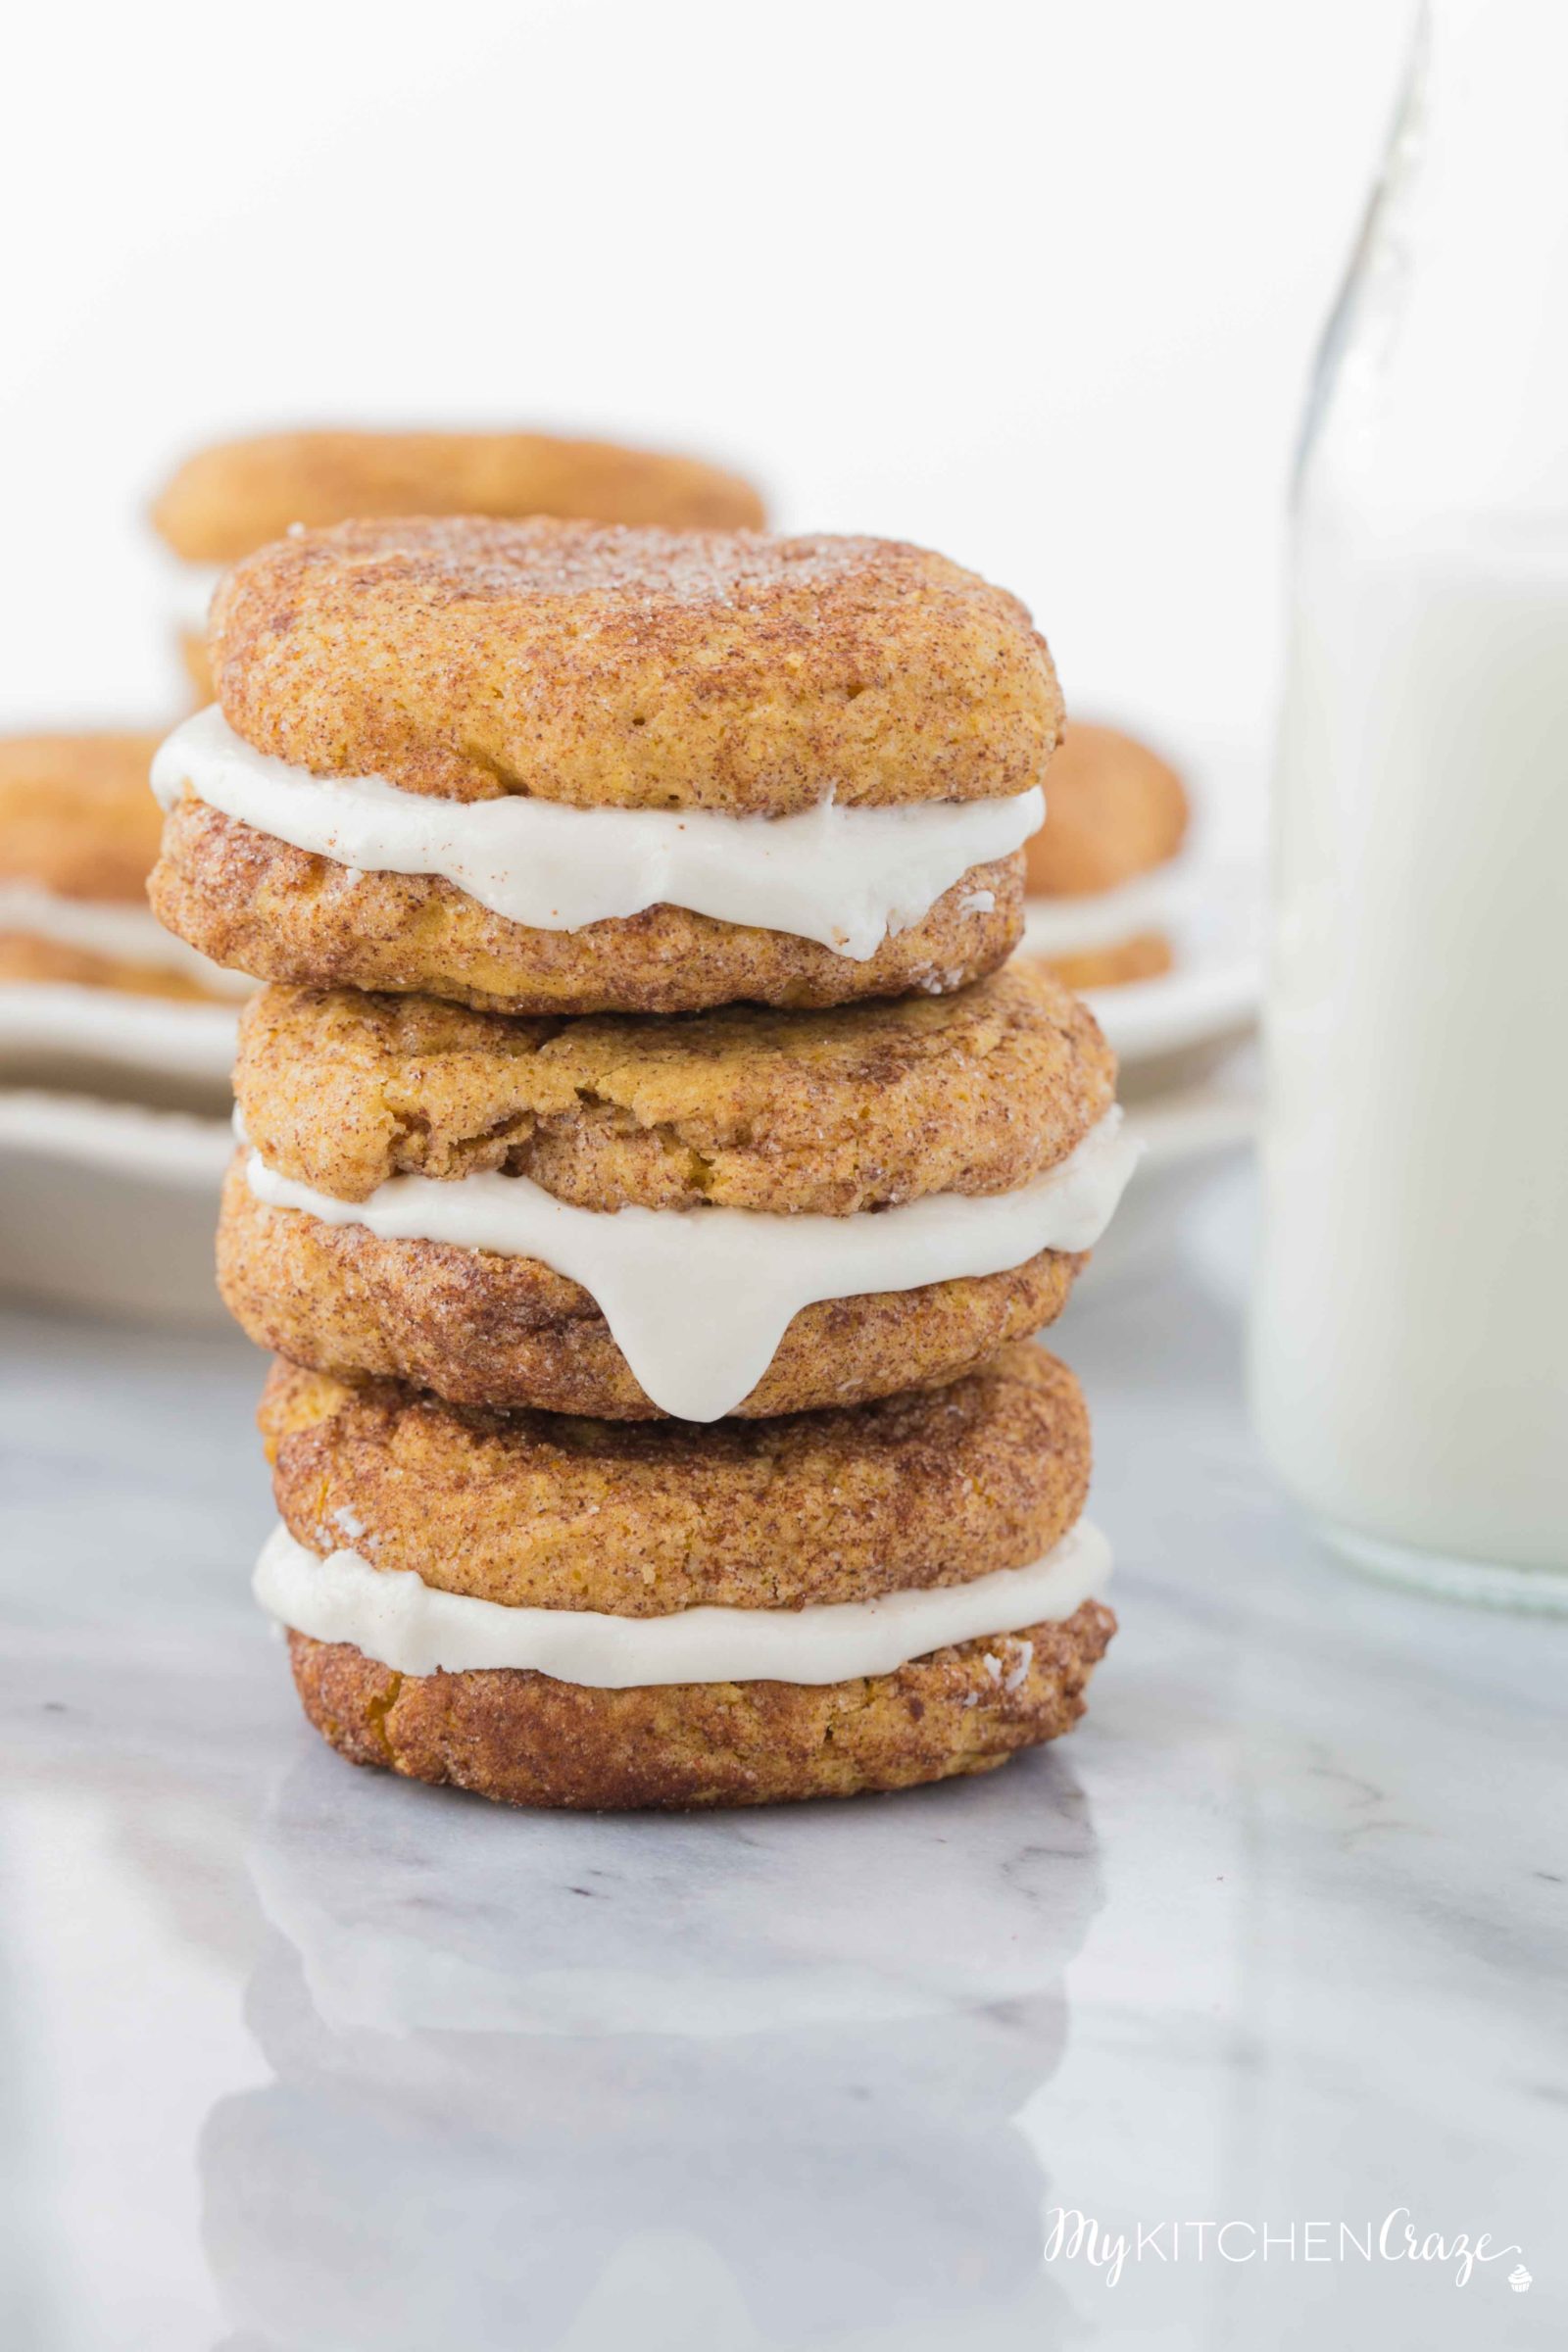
x,y
297,2056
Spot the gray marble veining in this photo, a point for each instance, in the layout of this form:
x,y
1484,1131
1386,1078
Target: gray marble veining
x,y
301,2057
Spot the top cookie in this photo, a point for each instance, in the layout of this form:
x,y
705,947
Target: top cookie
x,y
607,668
76,817
225,501
1115,809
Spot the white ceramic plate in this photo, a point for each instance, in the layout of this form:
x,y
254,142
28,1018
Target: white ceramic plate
x,y
109,1206
87,1037
1210,997
1174,1030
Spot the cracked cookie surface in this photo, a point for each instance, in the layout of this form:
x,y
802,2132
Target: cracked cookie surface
x,y
783,1112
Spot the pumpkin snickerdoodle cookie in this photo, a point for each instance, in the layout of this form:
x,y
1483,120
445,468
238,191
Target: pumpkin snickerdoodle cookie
x,y
549,768
1100,874
78,835
227,501
853,1600
741,1211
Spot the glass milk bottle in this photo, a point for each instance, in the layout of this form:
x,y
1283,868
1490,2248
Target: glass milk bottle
x,y
1410,1318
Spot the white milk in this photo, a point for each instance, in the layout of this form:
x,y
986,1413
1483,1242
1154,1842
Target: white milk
x,y
1410,1336
1411,1342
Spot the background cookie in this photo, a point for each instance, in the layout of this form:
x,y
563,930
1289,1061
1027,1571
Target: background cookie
x,y
1114,809
227,500
78,835
76,816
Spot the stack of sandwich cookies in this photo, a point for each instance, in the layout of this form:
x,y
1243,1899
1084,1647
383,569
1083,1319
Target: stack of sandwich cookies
x,y
227,501
79,836
647,1173
1104,878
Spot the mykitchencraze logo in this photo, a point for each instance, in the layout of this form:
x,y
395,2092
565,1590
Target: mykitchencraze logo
x,y
1074,2236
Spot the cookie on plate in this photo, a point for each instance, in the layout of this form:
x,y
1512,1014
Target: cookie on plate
x,y
227,501
79,836
1103,874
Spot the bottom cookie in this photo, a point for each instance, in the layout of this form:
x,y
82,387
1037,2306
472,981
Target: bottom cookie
x,y
526,1738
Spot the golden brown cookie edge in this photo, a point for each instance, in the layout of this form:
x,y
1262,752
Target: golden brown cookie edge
x,y
479,1329
523,1738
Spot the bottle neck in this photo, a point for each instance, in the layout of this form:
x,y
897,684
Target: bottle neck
x,y
1446,371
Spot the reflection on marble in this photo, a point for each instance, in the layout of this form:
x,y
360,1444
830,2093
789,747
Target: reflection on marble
x,y
295,2056
796,2039
707,1925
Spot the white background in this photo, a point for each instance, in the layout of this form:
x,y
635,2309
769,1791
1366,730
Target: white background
x,y
1036,284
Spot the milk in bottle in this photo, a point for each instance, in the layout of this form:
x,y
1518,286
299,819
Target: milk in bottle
x,y
1410,1358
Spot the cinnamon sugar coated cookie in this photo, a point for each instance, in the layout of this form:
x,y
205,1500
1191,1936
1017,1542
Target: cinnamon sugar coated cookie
x,y
931,1488
485,1329
227,500
529,1739
76,816
782,1112
1115,809
263,907
612,669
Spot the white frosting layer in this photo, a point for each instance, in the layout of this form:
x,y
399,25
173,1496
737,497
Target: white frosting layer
x,y
394,1617
1105,918
844,877
112,927
698,1299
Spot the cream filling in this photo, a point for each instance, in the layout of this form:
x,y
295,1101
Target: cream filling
x,y
113,928
391,1616
845,878
1106,918
698,1299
